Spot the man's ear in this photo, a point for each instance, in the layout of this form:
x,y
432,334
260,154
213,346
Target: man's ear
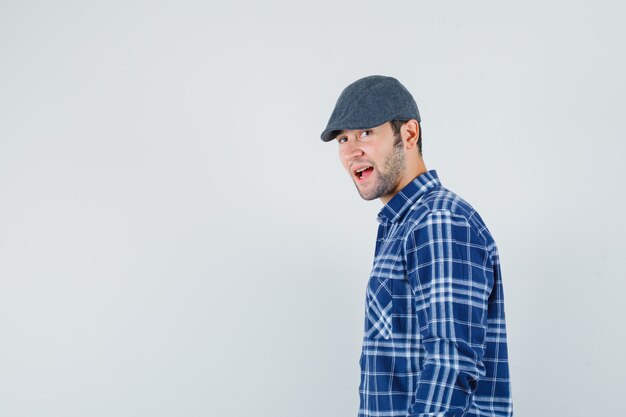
x,y
410,132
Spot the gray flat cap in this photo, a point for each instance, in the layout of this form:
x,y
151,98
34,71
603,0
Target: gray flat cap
x,y
369,102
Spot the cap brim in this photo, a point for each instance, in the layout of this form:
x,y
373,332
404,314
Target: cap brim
x,y
329,134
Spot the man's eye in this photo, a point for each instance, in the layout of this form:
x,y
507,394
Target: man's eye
x,y
365,133
340,140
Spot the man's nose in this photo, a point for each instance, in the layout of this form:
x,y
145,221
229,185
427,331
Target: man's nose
x,y
352,149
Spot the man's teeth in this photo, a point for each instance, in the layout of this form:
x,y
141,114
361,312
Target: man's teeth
x,y
362,169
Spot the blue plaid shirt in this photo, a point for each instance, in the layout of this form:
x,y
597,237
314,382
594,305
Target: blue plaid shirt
x,y
435,335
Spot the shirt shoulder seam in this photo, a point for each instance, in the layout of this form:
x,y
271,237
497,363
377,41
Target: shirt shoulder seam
x,y
430,212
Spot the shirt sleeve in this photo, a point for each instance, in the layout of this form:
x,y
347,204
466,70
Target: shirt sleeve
x,y
449,271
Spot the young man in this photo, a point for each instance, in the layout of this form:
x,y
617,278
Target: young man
x,y
434,340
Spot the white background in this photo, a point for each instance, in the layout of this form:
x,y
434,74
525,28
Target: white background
x,y
176,240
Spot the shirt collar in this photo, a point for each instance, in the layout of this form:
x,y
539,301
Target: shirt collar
x,y
407,196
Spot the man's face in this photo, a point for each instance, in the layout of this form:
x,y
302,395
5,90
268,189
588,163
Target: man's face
x,y
375,150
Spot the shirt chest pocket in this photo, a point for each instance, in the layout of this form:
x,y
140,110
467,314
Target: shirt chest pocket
x,y
379,306
387,300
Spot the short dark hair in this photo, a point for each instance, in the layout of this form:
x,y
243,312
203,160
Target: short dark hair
x,y
397,124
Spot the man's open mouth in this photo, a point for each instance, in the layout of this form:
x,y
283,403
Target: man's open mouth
x,y
363,172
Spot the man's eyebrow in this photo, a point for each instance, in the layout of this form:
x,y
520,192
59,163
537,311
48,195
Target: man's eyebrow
x,y
339,133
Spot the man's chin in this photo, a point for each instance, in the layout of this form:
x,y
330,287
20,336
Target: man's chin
x,y
368,196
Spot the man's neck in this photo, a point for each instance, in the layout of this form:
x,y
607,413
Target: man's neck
x,y
407,178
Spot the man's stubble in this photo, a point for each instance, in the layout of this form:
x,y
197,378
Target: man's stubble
x,y
387,181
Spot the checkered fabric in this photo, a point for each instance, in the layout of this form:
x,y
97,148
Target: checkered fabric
x,y
434,342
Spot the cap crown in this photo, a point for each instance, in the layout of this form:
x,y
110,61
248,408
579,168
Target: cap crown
x,y
369,102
